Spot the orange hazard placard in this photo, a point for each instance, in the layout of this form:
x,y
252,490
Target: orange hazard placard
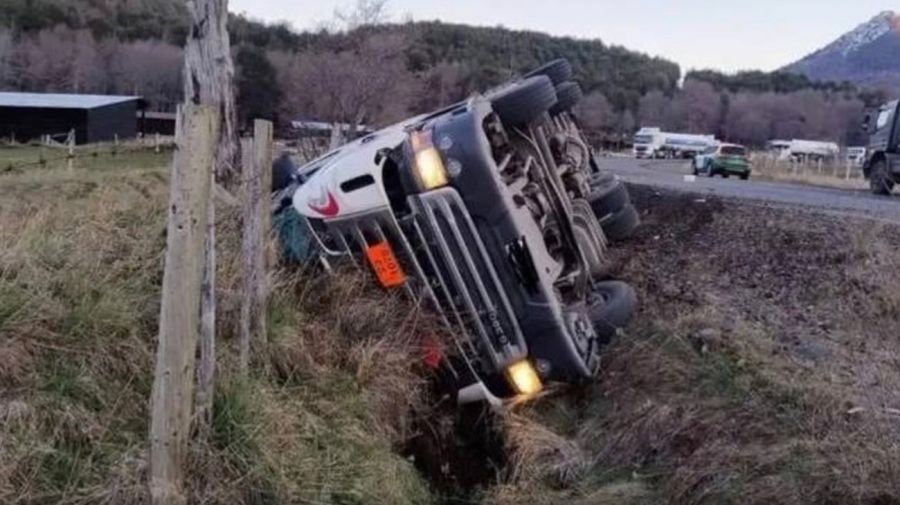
x,y
385,264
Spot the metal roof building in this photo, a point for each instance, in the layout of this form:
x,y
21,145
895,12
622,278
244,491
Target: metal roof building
x,y
95,118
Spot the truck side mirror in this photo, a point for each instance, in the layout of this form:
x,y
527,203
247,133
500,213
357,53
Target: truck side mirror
x,y
866,122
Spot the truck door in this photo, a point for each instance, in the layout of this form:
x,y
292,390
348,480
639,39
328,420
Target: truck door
x,y
894,119
882,128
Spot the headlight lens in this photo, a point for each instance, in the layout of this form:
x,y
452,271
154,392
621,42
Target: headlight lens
x,y
524,378
428,165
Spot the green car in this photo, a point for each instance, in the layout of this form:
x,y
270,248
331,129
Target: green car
x,y
725,160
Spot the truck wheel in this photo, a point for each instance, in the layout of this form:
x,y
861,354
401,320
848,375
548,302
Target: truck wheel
x,y
523,102
559,71
879,179
608,198
612,307
744,177
622,224
568,94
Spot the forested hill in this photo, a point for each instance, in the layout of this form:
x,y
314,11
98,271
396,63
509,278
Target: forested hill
x,y
121,19
489,54
493,54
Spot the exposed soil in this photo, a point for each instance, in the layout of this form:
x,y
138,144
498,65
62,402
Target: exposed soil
x,y
819,288
762,367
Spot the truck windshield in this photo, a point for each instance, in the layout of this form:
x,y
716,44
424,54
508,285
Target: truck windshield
x,y
734,151
643,139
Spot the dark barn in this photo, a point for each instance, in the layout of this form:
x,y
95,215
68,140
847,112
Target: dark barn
x,y
95,118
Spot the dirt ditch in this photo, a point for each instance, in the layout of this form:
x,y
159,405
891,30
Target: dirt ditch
x,y
762,368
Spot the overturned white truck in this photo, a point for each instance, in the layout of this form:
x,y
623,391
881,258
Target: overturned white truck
x,y
494,212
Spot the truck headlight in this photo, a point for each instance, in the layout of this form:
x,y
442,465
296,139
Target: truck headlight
x,y
524,378
428,166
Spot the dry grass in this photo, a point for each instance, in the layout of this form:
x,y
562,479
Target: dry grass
x,y
832,174
80,269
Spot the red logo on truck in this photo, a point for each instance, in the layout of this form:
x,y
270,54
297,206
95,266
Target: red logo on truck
x,y
329,209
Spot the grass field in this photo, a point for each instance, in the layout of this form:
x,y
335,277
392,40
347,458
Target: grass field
x,y
25,157
832,174
80,269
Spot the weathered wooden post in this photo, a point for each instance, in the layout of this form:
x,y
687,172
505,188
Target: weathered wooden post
x,y
256,209
172,397
209,79
70,158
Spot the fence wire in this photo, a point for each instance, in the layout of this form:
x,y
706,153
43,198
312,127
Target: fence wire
x,y
17,158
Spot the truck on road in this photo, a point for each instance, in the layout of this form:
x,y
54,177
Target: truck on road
x,y
651,142
803,150
882,165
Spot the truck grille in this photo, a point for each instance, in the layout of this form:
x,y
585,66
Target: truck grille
x,y
446,263
463,278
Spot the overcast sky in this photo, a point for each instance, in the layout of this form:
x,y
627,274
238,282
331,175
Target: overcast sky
x,y
721,34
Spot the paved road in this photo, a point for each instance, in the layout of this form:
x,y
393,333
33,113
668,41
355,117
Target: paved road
x,y
669,174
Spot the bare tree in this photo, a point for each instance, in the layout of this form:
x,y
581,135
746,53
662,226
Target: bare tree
x,y
60,60
653,109
151,69
353,87
445,83
363,13
596,113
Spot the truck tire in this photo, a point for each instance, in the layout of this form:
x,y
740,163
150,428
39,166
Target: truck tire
x,y
559,71
622,224
879,179
608,198
568,94
614,304
524,101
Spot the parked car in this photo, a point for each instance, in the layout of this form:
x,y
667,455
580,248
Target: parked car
x,y
882,165
490,211
725,160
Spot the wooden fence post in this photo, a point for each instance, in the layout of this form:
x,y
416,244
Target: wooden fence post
x,y
173,381
70,159
256,208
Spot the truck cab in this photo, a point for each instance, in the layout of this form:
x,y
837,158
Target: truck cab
x,y
882,165
648,143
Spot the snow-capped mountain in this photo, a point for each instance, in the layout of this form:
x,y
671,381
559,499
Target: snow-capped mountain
x,y
869,55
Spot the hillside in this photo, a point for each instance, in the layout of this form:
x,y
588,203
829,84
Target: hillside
x,y
487,54
869,55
